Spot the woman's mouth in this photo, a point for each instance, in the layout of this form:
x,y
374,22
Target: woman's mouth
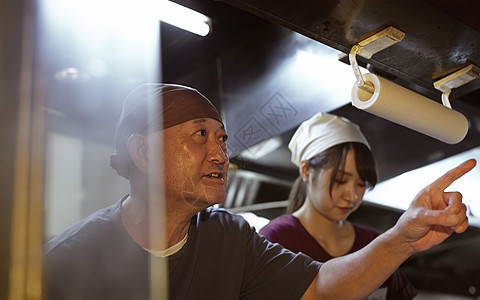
x,y
345,209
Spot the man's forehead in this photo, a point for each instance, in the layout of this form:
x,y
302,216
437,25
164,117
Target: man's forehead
x,y
200,121
208,120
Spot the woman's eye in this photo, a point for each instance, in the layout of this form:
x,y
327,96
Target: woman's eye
x,y
224,138
339,181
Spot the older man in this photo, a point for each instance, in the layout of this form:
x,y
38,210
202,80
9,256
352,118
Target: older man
x,y
212,254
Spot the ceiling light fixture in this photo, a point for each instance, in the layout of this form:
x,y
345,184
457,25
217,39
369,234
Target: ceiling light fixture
x,y
183,17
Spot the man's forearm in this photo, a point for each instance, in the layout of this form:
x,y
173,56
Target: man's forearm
x,y
357,275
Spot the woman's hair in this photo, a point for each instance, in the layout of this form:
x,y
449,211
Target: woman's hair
x,y
335,157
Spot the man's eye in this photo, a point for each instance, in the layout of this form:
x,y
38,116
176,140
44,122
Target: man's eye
x,y
202,132
224,138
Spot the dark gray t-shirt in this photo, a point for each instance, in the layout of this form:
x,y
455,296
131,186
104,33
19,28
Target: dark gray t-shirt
x,y
224,258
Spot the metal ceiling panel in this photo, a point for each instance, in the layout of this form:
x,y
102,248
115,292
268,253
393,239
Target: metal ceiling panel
x,y
435,42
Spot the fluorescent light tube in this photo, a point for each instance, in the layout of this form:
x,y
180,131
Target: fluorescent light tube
x,y
183,17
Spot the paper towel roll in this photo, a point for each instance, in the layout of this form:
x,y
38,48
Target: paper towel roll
x,y
402,106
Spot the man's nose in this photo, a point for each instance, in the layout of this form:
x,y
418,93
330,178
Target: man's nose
x,y
216,152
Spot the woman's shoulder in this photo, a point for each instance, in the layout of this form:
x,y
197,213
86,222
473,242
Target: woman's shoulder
x,y
282,221
286,230
280,224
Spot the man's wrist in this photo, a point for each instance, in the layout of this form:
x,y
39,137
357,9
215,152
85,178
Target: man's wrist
x,y
396,244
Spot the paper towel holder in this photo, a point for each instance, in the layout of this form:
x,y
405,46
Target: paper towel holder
x,y
366,91
390,36
368,47
455,80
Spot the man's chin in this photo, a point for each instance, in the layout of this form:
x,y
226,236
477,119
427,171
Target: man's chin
x,y
206,198
215,195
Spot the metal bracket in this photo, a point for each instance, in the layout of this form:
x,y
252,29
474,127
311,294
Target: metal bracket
x,y
379,41
454,80
368,47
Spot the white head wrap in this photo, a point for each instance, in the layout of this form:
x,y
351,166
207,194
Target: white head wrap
x,y
321,132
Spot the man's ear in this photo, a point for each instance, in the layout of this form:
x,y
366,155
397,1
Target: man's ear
x,y
137,146
304,171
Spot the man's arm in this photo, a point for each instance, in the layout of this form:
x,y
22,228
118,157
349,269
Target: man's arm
x,y
431,218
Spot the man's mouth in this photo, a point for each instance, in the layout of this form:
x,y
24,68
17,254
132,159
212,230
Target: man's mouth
x,y
215,175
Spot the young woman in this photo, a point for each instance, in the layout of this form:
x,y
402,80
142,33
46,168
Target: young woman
x,y
336,167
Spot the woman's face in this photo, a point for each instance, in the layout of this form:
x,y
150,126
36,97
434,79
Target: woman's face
x,y
347,192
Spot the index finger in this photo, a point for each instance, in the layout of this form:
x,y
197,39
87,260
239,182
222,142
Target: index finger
x,y
448,178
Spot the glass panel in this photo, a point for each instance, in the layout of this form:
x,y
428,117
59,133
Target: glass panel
x,y
91,55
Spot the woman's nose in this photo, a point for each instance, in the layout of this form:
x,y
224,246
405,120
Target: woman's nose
x,y
351,193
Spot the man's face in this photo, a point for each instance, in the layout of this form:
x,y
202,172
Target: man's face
x,y
196,162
